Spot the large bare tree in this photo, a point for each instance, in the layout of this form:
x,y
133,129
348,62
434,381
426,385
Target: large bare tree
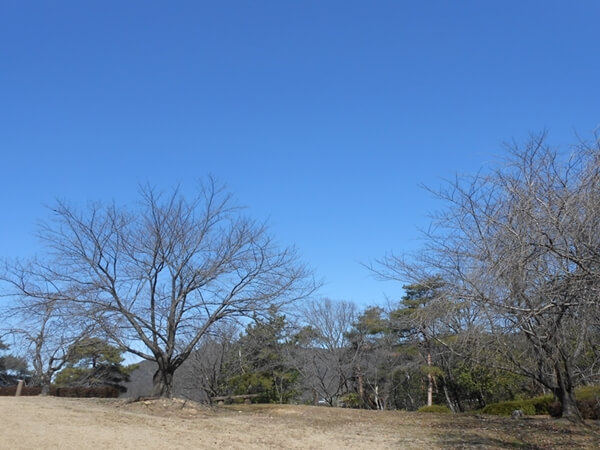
x,y
156,276
521,245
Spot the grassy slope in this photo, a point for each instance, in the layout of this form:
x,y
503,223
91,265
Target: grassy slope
x,y
36,422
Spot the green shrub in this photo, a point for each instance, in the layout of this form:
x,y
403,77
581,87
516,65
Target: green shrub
x,y
351,400
588,401
435,409
587,393
506,408
587,397
542,404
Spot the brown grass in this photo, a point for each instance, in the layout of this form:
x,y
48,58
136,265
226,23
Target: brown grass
x,y
62,423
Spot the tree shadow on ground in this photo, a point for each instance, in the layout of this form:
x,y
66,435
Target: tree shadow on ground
x,y
527,433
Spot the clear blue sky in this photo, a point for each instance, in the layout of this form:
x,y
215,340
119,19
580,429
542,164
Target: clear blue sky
x,y
322,116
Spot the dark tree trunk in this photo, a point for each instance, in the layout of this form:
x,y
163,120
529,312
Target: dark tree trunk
x,y
163,382
44,383
569,409
565,392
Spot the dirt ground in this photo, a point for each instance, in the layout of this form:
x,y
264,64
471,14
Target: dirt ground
x,y
60,423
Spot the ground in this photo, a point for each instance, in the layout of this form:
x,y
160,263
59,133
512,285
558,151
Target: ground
x,y
60,423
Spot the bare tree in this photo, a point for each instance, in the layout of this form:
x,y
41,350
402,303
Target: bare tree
x,y
521,245
156,277
325,358
39,322
212,364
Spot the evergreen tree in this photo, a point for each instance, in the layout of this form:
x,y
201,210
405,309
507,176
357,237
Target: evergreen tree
x,y
264,367
94,362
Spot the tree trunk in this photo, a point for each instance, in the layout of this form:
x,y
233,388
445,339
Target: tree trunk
x,y
566,394
163,382
569,409
45,389
44,381
429,380
448,400
377,402
361,387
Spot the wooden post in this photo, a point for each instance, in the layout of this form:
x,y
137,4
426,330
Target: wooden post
x,y
19,388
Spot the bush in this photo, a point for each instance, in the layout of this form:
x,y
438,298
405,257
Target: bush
x,y
541,404
554,409
587,397
10,391
506,408
589,408
530,406
80,391
351,400
587,393
435,409
99,391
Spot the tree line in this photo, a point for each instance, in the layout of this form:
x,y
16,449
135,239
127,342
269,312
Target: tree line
x,y
501,301
340,355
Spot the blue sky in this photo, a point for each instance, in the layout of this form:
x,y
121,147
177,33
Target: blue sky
x,y
323,117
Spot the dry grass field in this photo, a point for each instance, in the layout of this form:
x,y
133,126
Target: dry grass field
x,y
60,423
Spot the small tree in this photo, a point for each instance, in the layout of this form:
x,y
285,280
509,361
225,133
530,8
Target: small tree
x,y
93,362
419,320
39,321
366,338
264,366
323,354
216,361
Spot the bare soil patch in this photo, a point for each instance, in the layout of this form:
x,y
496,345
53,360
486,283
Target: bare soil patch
x,y
62,423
